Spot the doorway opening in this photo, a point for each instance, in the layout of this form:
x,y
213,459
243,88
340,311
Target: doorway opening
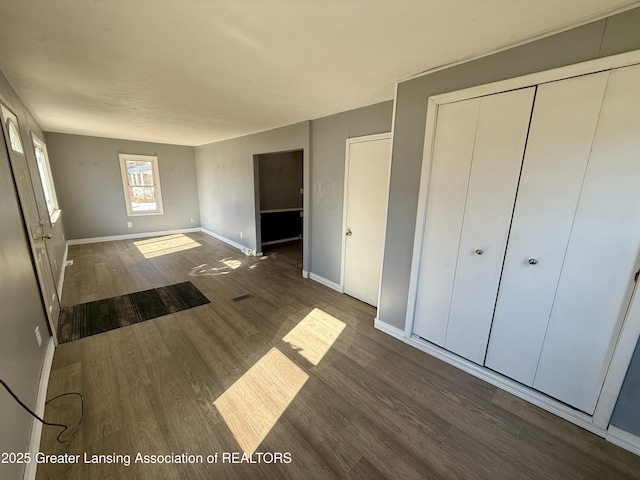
x,y
279,198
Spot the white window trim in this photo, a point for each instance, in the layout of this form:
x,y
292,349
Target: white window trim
x,y
54,213
124,157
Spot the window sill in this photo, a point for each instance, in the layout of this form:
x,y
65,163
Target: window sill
x,y
144,214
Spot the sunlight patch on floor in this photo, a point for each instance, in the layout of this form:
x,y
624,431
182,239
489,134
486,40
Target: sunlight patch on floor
x,y
314,335
231,263
205,269
155,247
253,405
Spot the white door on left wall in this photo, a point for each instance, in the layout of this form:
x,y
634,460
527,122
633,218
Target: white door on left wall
x,y
33,222
368,164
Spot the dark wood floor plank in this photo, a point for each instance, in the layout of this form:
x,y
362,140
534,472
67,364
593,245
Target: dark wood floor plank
x,y
581,463
579,438
320,419
474,460
448,399
149,340
364,470
372,407
389,457
100,387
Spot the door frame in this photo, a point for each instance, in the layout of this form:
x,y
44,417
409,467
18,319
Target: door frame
x,y
32,248
630,328
256,200
348,143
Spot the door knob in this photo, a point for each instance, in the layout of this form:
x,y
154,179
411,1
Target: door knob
x,y
348,234
46,236
532,261
479,252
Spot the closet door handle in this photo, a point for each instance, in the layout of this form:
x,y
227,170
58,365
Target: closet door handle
x,y
479,251
532,261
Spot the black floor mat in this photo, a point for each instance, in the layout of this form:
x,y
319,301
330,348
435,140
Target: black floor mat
x,y
86,319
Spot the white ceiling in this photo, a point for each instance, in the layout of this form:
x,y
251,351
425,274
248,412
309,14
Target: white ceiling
x,y
196,71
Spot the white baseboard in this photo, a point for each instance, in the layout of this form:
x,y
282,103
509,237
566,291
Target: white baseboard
x,y
388,329
112,238
242,248
305,274
327,283
528,394
623,439
36,429
63,268
532,396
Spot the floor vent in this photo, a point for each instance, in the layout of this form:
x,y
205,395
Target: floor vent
x,y
241,297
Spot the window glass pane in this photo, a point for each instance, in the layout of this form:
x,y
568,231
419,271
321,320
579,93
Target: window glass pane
x,y
143,199
14,138
44,176
44,169
140,173
141,182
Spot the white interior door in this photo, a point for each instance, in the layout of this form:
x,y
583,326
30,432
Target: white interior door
x,y
37,237
368,164
476,161
597,277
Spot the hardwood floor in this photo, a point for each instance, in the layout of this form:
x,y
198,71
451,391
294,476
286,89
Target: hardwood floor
x,y
372,408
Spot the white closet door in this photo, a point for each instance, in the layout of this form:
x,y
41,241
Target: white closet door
x,y
476,163
597,277
501,135
564,120
451,163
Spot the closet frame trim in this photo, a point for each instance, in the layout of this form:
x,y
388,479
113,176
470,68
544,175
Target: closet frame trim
x,y
630,331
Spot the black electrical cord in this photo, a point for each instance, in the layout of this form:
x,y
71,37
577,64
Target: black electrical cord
x,y
64,427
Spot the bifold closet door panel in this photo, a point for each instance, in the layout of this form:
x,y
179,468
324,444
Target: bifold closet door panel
x,y
597,277
450,166
476,163
500,140
564,120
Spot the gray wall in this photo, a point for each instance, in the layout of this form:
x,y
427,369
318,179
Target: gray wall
x,y
226,180
594,40
280,180
21,359
616,34
86,171
328,146
627,412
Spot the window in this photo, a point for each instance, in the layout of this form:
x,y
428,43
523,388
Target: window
x,y
14,137
141,182
44,168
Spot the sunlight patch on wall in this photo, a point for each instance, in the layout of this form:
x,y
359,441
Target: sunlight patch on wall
x,y
253,405
155,247
314,335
